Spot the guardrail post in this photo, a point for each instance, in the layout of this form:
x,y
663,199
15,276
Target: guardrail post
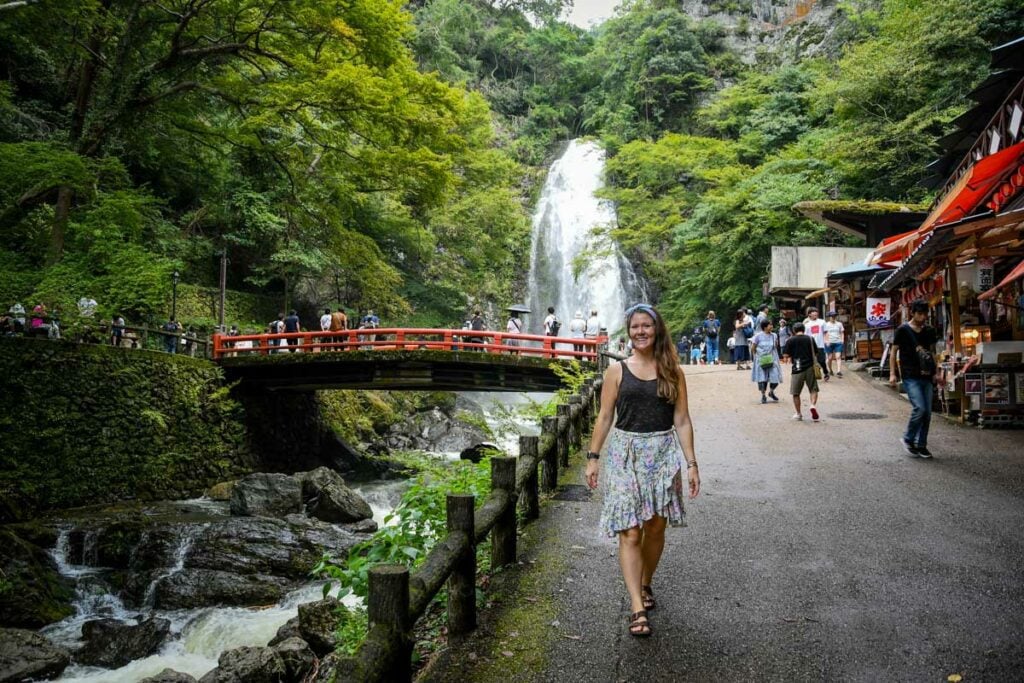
x,y
503,535
531,500
565,432
388,605
462,582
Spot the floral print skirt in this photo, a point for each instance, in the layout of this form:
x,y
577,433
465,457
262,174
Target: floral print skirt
x,y
642,477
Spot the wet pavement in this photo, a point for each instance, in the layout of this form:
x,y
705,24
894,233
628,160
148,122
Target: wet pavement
x,y
816,551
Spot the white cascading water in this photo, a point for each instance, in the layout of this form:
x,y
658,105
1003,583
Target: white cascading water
x,y
563,225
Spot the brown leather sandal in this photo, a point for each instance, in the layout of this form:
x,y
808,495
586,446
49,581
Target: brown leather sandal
x,y
643,626
647,595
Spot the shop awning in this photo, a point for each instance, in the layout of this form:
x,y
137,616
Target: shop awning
x,y
976,184
893,250
818,292
919,259
853,271
1014,274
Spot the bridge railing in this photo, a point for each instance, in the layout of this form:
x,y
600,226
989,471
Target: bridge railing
x,y
397,598
407,339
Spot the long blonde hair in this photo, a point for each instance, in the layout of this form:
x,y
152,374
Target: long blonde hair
x,y
666,360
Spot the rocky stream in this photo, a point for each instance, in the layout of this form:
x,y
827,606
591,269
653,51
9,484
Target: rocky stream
x,y
211,589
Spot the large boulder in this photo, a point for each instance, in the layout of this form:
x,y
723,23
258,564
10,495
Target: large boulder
x,y
169,676
191,588
248,665
37,594
266,494
112,644
434,430
477,452
298,658
319,622
234,547
327,498
26,655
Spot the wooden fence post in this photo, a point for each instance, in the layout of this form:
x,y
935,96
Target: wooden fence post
x,y
531,501
388,605
462,582
565,432
549,458
503,536
576,406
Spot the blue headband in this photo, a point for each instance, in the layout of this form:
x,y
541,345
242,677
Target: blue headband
x,y
643,308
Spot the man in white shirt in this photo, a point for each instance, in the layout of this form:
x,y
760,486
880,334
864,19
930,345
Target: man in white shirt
x,y
325,325
593,325
814,327
835,336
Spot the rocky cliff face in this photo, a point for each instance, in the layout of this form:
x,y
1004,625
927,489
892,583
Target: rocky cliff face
x,y
774,30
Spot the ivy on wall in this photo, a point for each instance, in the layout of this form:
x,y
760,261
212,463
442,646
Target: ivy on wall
x,y
90,424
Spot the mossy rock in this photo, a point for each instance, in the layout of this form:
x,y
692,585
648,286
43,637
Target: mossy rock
x,y
32,591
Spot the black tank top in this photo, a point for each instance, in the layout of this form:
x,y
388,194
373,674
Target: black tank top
x,y
639,408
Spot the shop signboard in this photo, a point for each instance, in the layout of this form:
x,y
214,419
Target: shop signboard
x,y
879,312
972,385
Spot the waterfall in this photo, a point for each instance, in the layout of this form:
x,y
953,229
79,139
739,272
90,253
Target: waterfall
x,y
563,225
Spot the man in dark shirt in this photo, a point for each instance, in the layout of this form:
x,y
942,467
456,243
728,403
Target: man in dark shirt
x,y
912,338
291,324
801,350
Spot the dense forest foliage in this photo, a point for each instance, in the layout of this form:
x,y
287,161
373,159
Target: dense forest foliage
x,y
384,154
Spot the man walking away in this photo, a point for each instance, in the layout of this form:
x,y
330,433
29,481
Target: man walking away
x,y
291,324
801,350
815,328
710,327
835,336
912,349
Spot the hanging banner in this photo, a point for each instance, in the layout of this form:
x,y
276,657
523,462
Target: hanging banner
x,y
983,274
879,312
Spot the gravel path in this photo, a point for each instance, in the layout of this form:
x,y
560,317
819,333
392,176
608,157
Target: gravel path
x,y
815,552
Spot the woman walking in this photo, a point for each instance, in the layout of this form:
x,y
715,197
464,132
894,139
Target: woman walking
x,y
652,438
740,351
764,347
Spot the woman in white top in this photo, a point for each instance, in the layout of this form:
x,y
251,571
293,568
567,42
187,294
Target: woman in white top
x,y
513,326
576,329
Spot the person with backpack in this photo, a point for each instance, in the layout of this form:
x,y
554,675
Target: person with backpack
x,y
551,326
814,327
276,326
711,327
911,359
477,324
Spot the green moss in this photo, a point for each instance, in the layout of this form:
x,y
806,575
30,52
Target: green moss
x,y
865,208
90,424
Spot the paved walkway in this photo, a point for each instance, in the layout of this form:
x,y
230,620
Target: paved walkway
x,y
815,552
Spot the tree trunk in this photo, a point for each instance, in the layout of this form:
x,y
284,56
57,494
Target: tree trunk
x,y
60,223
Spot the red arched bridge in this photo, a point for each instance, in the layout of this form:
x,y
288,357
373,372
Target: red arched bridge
x,y
402,359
